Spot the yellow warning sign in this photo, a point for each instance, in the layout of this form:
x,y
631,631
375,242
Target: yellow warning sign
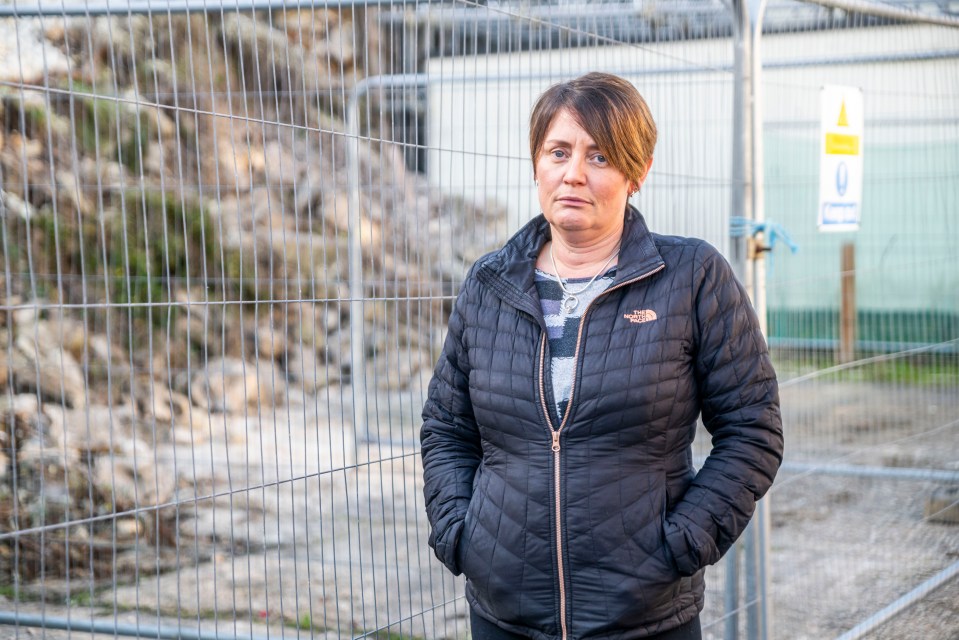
x,y
843,121
842,144
840,160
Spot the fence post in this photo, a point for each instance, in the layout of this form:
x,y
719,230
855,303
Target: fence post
x,y
731,595
847,308
355,259
748,202
355,243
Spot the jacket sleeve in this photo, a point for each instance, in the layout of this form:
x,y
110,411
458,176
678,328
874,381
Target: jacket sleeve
x,y
740,408
450,442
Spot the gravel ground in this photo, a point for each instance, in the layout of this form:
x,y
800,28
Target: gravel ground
x,y
347,556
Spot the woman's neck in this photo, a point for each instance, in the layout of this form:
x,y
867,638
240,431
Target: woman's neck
x,y
580,259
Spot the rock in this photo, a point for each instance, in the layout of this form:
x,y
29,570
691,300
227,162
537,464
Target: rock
x,y
23,409
47,368
114,481
281,166
230,385
942,505
193,428
72,194
292,64
102,352
271,340
308,324
309,372
26,316
134,477
68,332
337,352
38,456
129,530
92,431
340,43
26,58
13,205
402,368
155,402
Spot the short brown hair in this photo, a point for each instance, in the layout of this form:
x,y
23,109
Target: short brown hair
x,y
611,111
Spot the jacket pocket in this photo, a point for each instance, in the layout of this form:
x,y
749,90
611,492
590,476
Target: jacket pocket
x,y
460,552
667,552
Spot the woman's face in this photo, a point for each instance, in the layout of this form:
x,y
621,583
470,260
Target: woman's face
x,y
581,194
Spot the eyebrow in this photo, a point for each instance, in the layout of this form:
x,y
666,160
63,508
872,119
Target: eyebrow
x,y
564,143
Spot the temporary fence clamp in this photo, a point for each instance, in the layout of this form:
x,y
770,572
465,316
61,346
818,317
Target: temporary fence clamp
x,y
756,232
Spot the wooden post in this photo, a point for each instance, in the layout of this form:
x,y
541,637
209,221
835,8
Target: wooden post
x,y
847,310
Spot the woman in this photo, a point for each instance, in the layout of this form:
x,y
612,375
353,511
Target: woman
x,y
558,427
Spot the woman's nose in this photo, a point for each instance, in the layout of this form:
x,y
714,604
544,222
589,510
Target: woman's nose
x,y
575,171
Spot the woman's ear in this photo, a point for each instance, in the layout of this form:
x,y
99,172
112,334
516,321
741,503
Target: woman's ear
x,y
649,165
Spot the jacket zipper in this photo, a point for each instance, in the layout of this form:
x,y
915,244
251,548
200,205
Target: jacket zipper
x,y
555,434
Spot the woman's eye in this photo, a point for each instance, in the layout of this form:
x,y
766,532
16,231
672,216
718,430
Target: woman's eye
x,y
599,159
558,153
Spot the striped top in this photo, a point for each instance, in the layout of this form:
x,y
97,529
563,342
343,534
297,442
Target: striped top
x,y
562,326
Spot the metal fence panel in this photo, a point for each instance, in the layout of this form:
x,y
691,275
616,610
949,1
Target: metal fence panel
x,y
231,237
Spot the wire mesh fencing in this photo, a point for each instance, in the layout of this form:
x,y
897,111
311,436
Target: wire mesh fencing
x,y
870,492
232,234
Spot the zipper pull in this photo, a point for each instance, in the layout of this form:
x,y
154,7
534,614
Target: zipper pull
x,y
555,446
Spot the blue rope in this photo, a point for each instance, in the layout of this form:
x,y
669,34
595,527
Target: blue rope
x,y
740,226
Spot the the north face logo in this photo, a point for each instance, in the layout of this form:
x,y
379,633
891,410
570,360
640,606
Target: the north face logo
x,y
640,315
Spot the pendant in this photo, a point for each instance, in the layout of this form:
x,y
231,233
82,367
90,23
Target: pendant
x,y
570,302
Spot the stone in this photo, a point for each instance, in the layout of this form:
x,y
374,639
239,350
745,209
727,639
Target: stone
x,y
271,340
281,165
128,478
23,408
91,431
309,372
942,505
395,366
230,385
102,352
157,402
47,368
193,429
72,194
14,205
335,210
340,43
26,58
68,332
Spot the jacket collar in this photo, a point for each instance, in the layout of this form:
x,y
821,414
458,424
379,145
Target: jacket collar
x,y
511,270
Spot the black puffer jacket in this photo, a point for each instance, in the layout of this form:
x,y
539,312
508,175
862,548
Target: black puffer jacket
x,y
596,525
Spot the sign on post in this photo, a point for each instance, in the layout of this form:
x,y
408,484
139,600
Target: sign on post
x,y
840,163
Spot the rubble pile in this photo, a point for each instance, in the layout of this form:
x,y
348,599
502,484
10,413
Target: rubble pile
x,y
175,194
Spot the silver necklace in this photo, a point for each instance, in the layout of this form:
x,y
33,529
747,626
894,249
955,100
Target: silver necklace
x,y
570,299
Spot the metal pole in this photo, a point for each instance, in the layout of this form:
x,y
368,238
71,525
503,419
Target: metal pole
x,y
355,242
756,10
748,202
114,628
731,595
740,205
763,608
886,10
881,617
741,202
355,261
127,7
889,473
